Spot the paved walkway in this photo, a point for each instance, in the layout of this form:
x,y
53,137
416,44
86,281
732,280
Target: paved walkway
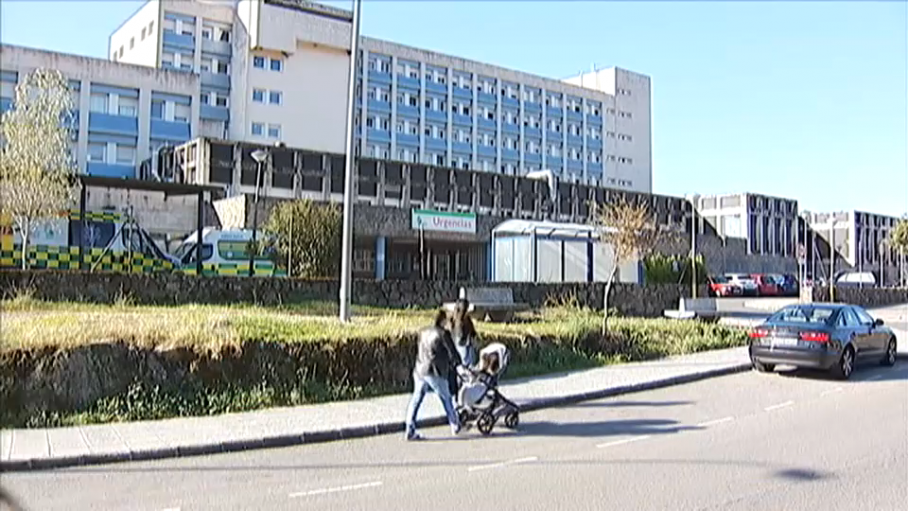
x,y
59,447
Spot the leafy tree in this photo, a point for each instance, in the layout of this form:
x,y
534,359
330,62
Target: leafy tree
x,y
630,230
307,238
672,269
898,238
36,166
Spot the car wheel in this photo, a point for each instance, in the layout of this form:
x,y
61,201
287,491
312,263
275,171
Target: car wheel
x,y
845,367
891,353
761,367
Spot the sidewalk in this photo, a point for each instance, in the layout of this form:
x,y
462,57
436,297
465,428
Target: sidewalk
x,y
23,449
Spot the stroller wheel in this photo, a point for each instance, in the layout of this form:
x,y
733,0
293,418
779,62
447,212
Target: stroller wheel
x,y
463,415
511,420
485,423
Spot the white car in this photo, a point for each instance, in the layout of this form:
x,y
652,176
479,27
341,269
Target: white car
x,y
747,284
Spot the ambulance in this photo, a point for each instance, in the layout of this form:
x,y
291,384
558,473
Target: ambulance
x,y
224,253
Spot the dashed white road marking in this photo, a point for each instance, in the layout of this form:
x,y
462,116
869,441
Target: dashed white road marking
x,y
831,391
502,464
323,491
715,422
624,441
780,405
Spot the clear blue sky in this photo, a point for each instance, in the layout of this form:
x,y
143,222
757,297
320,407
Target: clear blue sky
x,y
802,100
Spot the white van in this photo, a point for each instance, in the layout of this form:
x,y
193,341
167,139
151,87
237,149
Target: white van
x,y
856,279
224,253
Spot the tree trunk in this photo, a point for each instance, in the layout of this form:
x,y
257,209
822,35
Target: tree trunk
x,y
23,233
605,295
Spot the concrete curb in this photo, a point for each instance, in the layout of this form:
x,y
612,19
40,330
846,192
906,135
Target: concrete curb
x,y
352,432
343,433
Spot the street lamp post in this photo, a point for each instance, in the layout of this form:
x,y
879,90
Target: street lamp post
x,y
259,155
347,242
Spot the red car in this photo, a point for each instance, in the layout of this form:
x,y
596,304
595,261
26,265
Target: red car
x,y
767,285
722,286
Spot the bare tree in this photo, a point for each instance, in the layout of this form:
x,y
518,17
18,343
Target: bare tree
x,y
36,166
631,231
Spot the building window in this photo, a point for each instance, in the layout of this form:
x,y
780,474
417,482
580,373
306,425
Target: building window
x,y
222,68
167,59
277,65
150,27
132,42
220,100
128,107
157,109
258,95
121,52
258,129
276,97
258,62
99,103
181,112
274,131
126,155
207,33
97,152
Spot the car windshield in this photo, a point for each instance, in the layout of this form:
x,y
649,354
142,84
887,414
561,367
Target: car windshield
x,y
814,315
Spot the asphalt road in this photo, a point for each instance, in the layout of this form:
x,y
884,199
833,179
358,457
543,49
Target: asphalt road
x,y
742,442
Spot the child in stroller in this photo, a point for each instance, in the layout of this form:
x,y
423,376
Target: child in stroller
x,y
479,399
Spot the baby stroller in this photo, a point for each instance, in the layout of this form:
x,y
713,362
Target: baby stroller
x,y
479,399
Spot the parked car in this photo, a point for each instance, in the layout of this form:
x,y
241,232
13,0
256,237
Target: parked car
x,y
720,286
767,285
789,286
745,282
832,337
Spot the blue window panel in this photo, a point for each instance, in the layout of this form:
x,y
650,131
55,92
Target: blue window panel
x,y
116,124
166,130
435,115
176,98
408,111
461,93
532,158
509,101
554,113
436,144
214,80
379,77
216,47
110,89
110,170
594,120
575,116
510,128
593,143
575,166
484,122
5,104
461,147
594,168
379,106
405,82
486,98
436,87
532,107
75,119
186,42
532,132
408,139
75,85
104,138
575,140
216,113
177,16
462,120
553,135
374,135
513,154
9,76
485,150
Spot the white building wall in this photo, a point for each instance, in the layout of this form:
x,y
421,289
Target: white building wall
x,y
146,21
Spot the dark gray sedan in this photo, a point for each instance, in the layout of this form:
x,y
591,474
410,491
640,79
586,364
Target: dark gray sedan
x,y
827,336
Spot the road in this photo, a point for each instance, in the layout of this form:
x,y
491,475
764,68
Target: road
x,y
743,442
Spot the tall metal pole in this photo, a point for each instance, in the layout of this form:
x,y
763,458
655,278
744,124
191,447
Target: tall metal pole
x,y
832,260
693,250
347,244
255,220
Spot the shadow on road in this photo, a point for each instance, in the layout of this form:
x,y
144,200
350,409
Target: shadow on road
x,y
622,404
602,428
866,372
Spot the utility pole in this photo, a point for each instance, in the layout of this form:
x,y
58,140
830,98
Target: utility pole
x,y
831,260
349,170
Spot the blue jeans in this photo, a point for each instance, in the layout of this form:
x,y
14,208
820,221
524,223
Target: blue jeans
x,y
440,387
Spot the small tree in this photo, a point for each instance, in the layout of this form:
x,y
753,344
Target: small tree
x,y
307,238
898,239
630,230
36,167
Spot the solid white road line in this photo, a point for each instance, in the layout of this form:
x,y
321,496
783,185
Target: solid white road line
x,y
715,422
323,491
622,442
502,464
831,391
780,405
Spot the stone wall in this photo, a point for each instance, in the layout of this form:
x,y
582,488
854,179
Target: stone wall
x,y
179,289
865,297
